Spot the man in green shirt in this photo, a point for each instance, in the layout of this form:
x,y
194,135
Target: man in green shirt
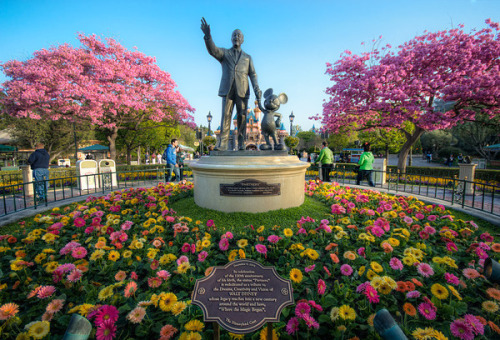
x,y
366,165
326,159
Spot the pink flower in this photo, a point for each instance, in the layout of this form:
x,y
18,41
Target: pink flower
x,y
408,220
228,235
79,252
346,270
45,292
450,278
310,268
321,287
273,239
425,270
202,256
186,248
423,235
126,225
261,249
430,230
361,251
224,244
163,274
74,275
292,326
302,310
155,282
474,322
427,310
470,273
315,305
106,313
431,218
361,288
452,247
337,209
210,223
377,231
106,331
182,259
311,322
413,294
461,329
396,264
79,222
371,294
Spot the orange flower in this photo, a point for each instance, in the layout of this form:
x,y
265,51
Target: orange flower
x,y
418,283
493,293
334,258
8,310
20,253
409,309
330,246
171,244
16,284
494,327
352,226
261,238
495,247
482,320
12,239
208,271
410,286
401,286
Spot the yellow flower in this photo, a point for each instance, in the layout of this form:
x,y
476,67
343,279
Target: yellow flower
x,y
421,334
105,293
167,258
296,275
97,254
242,243
260,229
167,301
288,232
113,255
347,313
370,274
393,241
361,270
49,238
190,336
206,243
263,334
241,254
439,291
40,257
127,254
232,255
409,261
194,326
152,253
454,292
39,329
23,336
178,308
234,336
490,306
51,266
183,267
312,254
376,267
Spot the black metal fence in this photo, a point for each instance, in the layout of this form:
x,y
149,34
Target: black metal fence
x,y
19,196
462,192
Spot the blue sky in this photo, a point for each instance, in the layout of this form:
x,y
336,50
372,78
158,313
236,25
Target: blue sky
x,y
289,41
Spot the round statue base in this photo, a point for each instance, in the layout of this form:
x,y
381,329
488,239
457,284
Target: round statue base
x,y
248,181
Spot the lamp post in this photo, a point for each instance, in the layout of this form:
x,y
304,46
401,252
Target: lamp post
x,y
291,122
209,119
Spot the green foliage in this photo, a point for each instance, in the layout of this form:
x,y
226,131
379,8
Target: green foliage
x,y
209,140
474,137
449,150
384,140
308,140
282,217
343,139
291,142
436,140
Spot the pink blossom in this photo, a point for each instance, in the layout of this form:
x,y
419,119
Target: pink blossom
x,y
202,256
224,244
396,264
309,268
273,239
321,287
346,270
182,259
74,275
79,252
261,249
163,274
292,326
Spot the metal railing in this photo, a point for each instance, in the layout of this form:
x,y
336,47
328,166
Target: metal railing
x,y
21,196
462,192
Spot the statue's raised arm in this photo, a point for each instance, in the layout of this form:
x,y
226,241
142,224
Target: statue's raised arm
x,y
205,27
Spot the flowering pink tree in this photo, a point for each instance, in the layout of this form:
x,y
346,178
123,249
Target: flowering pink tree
x,y
385,89
99,82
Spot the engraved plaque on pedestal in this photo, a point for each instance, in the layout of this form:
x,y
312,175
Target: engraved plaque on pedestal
x,y
242,296
250,187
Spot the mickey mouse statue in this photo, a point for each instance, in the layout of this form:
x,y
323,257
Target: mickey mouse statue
x,y
268,125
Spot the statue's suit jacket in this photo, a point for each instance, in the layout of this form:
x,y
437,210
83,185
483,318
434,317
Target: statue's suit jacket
x,y
234,69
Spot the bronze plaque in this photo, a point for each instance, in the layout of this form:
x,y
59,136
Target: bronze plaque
x,y
250,187
242,296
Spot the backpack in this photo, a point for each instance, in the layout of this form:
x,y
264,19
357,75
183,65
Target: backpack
x,y
164,156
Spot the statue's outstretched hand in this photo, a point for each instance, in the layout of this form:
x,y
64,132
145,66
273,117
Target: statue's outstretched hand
x,y
205,27
260,105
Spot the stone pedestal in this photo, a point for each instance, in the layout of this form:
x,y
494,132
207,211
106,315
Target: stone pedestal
x,y
248,181
28,180
467,172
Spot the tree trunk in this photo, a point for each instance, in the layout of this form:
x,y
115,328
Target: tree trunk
x,y
129,155
112,142
405,150
387,154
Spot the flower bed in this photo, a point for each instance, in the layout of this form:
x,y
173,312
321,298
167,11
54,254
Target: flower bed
x,y
128,263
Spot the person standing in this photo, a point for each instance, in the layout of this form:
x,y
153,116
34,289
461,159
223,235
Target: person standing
x,y
366,165
237,67
39,162
180,162
326,159
170,157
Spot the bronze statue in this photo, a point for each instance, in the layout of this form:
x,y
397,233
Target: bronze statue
x,y
237,67
272,103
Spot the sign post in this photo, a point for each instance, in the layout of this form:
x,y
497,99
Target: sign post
x,y
242,296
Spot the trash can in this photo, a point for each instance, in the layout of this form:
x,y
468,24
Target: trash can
x,y
87,174
379,171
107,174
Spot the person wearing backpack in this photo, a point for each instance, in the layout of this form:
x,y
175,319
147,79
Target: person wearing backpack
x,y
170,157
365,165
